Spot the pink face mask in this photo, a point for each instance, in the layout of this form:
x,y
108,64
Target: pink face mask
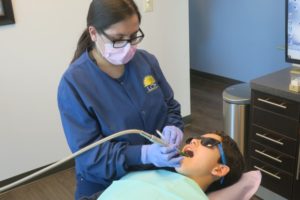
x,y
118,56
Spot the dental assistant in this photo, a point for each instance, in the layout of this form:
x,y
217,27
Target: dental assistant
x,y
112,86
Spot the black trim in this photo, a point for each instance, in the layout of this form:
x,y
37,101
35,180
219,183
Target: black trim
x,y
67,165
214,77
187,120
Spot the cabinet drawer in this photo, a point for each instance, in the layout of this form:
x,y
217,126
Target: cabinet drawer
x,y
274,122
274,140
276,104
272,157
274,179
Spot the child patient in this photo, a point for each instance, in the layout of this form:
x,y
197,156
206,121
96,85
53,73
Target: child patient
x,y
215,162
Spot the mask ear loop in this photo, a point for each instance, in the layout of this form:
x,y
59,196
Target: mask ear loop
x,y
223,159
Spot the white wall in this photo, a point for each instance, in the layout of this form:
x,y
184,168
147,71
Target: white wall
x,y
240,40
35,52
167,37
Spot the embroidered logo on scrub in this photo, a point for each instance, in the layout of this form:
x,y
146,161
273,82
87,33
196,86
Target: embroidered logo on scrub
x,y
150,83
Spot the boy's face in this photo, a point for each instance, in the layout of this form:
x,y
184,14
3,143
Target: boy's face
x,y
204,158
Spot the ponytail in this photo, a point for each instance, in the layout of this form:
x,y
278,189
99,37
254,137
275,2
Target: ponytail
x,y
83,44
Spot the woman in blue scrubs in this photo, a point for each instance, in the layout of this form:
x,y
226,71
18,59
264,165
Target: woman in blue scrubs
x,y
112,86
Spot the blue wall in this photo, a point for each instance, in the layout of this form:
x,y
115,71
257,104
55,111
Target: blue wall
x,y
238,39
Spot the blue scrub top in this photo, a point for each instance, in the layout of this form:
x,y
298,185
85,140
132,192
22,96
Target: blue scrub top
x,y
93,105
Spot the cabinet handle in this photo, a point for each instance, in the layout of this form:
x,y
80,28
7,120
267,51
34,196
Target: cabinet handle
x,y
298,167
270,139
267,155
271,103
267,172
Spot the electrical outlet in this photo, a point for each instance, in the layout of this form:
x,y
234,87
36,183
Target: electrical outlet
x,y
148,5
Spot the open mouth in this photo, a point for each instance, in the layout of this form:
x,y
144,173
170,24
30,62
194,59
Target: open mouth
x,y
188,153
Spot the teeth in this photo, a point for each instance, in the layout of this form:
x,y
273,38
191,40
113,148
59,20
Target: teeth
x,y
189,153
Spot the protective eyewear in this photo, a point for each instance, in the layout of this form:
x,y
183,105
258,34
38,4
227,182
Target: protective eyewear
x,y
123,42
211,143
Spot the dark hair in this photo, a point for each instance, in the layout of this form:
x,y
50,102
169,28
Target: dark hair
x,y
102,14
235,161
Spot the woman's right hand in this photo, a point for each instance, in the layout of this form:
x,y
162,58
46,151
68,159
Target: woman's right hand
x,y
160,156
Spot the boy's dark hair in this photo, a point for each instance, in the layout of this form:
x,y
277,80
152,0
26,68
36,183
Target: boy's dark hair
x,y
102,14
235,161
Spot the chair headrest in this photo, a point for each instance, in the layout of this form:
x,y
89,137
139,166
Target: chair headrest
x,y
244,189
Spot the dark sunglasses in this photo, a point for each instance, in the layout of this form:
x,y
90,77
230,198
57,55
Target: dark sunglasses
x,y
210,143
205,141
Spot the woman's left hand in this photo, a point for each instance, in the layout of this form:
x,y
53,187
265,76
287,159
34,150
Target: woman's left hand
x,y
172,135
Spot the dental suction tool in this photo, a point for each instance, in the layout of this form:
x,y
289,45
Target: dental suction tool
x,y
180,152
148,136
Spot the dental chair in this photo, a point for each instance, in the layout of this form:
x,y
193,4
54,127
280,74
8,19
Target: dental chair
x,y
244,189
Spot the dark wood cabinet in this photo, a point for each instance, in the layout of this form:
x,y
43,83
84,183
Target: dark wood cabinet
x,y
273,145
296,194
296,188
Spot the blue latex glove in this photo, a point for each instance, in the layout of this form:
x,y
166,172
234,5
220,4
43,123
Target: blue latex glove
x,y
172,135
160,156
